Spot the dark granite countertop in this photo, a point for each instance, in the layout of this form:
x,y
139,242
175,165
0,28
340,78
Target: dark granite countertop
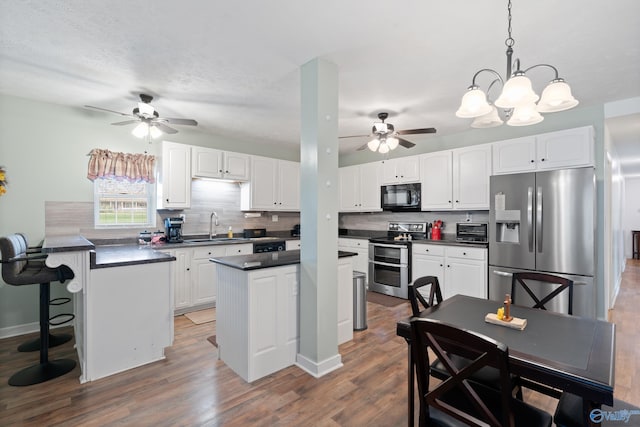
x,y
66,244
266,259
123,255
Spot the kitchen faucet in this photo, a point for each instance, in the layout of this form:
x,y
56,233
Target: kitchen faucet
x,y
211,233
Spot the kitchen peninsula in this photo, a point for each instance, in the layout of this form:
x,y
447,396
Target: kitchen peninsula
x,y
257,317
123,303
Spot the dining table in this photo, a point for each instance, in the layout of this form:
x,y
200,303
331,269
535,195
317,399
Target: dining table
x,y
562,353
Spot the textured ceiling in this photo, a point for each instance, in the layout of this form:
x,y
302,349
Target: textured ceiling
x,y
234,66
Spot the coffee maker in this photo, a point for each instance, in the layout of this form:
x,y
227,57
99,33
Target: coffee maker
x,y
173,230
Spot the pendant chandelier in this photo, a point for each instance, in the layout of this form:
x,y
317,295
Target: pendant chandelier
x,y
517,99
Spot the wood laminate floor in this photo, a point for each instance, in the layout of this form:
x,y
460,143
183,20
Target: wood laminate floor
x,y
192,388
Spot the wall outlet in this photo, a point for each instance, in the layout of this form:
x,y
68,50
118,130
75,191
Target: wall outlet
x,y
469,218
274,218
184,217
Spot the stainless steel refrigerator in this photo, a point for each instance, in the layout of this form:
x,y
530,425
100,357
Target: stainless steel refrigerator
x,y
544,221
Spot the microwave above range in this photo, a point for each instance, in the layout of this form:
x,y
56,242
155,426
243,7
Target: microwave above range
x,y
400,197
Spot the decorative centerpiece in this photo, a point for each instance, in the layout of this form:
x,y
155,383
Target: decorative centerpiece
x,y
503,316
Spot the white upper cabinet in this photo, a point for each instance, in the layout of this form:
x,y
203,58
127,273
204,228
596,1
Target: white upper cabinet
x,y
567,148
554,150
471,172
212,163
456,179
514,155
174,187
274,185
437,184
398,171
360,187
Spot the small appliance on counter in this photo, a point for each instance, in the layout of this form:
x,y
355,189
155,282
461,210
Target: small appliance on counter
x,y
252,233
173,229
295,232
436,230
473,232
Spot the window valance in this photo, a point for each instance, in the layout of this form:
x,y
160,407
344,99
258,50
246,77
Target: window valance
x,y
132,167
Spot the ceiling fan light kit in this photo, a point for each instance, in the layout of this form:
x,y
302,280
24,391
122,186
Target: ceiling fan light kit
x,y
517,98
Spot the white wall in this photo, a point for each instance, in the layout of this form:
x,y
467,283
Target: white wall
x,y
631,212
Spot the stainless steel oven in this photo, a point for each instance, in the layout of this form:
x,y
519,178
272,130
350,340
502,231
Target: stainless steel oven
x,y
390,268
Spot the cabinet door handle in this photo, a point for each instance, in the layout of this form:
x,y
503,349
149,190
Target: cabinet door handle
x,y
448,266
533,161
542,159
464,253
167,200
440,265
188,269
426,250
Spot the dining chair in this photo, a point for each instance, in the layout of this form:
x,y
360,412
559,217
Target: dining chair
x,y
569,413
459,397
523,280
487,376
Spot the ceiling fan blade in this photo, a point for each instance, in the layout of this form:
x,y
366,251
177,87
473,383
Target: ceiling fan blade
x,y
363,147
164,128
353,136
186,122
126,122
405,143
416,131
109,111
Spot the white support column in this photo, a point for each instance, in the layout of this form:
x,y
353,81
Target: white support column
x,y
318,353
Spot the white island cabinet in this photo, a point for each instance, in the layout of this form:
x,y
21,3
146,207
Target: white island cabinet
x,y
257,318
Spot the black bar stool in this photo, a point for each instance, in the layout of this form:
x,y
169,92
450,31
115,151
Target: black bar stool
x,y
19,269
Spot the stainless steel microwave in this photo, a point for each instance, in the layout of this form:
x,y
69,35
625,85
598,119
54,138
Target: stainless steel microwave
x,y
400,197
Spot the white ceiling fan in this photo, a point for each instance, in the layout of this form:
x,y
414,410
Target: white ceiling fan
x,y
149,121
386,138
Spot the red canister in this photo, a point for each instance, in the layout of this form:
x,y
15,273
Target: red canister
x,y
436,231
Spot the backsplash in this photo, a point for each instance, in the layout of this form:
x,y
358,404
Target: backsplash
x,y
63,218
378,221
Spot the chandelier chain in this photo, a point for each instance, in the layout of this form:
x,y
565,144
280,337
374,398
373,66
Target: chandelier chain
x,y
509,41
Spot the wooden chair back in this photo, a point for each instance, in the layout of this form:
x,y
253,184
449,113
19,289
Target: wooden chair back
x,y
521,279
458,396
416,297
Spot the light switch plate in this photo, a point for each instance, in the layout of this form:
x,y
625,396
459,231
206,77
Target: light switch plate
x,y
274,218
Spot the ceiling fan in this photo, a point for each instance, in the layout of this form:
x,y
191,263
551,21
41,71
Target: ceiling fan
x,y
386,138
149,121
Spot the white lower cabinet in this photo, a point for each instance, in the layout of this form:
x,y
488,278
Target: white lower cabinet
x,y
258,317
361,247
459,269
195,276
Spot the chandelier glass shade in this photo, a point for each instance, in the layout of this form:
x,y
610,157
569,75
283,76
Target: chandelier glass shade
x,y
517,98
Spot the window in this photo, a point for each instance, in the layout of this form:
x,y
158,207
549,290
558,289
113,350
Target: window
x,y
121,203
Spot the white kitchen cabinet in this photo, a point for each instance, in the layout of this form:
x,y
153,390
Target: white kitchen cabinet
x,y
459,269
437,180
292,245
212,163
361,247
456,179
566,148
174,185
465,272
554,150
195,276
402,170
274,186
345,301
360,187
427,260
471,172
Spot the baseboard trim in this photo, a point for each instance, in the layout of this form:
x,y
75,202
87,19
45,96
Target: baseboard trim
x,y
319,369
27,328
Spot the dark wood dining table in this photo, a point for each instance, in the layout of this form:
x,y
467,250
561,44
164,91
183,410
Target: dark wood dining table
x,y
568,353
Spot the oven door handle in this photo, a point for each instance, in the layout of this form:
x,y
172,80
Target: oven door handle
x,y
385,245
388,264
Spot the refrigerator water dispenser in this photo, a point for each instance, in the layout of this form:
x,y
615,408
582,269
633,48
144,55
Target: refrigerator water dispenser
x,y
508,226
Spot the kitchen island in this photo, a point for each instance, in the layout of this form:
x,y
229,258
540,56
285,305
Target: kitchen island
x,y
123,303
257,318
